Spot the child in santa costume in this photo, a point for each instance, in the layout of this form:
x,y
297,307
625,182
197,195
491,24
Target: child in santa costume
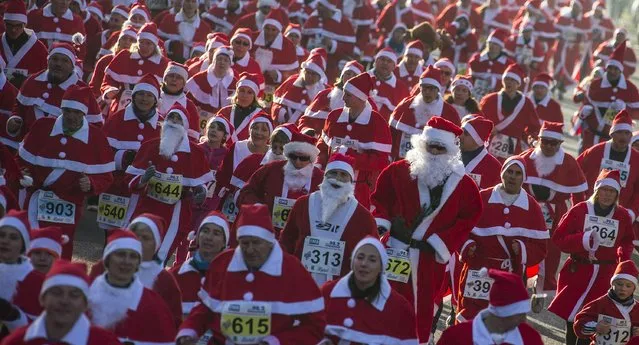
x,y
46,247
20,282
613,316
245,105
597,233
118,300
503,322
64,298
257,281
361,307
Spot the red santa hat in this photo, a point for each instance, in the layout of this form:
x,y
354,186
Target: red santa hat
x,y
415,47
63,48
120,239
148,83
508,295
120,10
609,178
463,80
445,62
18,220
49,239
223,50
340,161
552,130
255,220
441,131
178,69
155,223
321,52
333,5
360,86
217,218
617,56
515,72
626,270
77,98
95,8
514,160
262,117
216,40
289,129
431,76
498,37
16,11
228,127
301,143
387,53
317,64
244,33
141,10
275,19
128,30
148,31
66,273
621,122
479,128
189,121
293,28
198,47
370,240
251,80
353,66
543,79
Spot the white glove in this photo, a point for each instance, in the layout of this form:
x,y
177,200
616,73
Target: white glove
x,y
586,111
26,181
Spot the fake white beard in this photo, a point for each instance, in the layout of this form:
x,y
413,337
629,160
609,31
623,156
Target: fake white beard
x,y
431,170
259,19
544,165
148,273
295,178
264,58
333,197
172,136
335,98
423,111
9,280
272,157
108,305
187,31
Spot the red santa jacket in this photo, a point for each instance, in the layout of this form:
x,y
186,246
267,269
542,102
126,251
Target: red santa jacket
x,y
422,11
388,94
189,280
281,283
21,287
350,222
292,98
316,113
527,53
8,95
247,64
511,129
81,333
208,92
221,19
475,332
605,49
180,35
410,117
338,29
592,161
50,28
31,57
358,321
98,74
392,15
548,109
484,169
279,56
165,103
363,21
617,314
580,281
499,227
408,78
141,305
481,67
451,11
463,47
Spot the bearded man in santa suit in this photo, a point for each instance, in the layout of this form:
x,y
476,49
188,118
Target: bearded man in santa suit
x,y
64,297
330,214
360,131
173,92
433,204
170,173
547,108
553,178
292,98
488,66
23,53
503,322
242,43
182,30
20,282
412,114
615,154
255,275
328,99
483,167
411,67
224,14
67,161
119,301
210,89
512,113
387,91
56,23
606,48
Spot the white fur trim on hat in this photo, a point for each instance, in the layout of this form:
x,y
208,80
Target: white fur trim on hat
x,y
129,33
414,51
18,225
430,81
256,231
540,83
351,68
473,133
154,229
497,41
511,162
67,103
148,36
261,119
621,127
328,4
512,76
63,51
608,182
520,307
551,135
294,31
387,54
139,11
65,280
341,165
177,70
273,22
615,63
146,87
446,138
46,243
245,36
16,17
626,276
315,68
447,64
355,91
122,243
284,130
375,243
119,11
217,220
250,84
462,82
301,147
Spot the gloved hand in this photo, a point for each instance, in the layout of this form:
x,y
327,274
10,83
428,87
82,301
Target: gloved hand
x,y
199,194
586,111
399,230
148,173
8,312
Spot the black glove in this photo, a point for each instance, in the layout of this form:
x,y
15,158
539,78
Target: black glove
x,y
17,79
8,312
127,158
199,194
399,230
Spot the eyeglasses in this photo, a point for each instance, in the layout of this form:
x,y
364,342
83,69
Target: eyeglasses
x,y
550,142
242,43
294,157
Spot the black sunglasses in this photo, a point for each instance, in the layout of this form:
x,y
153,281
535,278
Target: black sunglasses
x,y
294,157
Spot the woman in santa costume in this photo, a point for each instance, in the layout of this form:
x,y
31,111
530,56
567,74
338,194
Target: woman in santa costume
x,y
330,214
245,105
510,235
461,96
257,281
125,39
211,89
361,307
129,66
20,282
483,167
119,301
503,322
46,247
597,233
211,238
613,316
64,298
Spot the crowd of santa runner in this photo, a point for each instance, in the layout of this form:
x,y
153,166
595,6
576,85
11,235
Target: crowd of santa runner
x,y
316,172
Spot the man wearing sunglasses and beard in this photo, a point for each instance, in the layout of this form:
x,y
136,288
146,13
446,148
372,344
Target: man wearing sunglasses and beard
x,y
278,184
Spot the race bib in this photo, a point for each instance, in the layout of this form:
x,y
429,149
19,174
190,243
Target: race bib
x,y
269,90
547,215
609,115
476,178
166,188
477,286
606,228
624,169
502,146
620,331
481,88
125,99
112,210
405,144
398,267
281,209
348,143
204,118
210,186
229,208
245,322
204,339
323,256
55,210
